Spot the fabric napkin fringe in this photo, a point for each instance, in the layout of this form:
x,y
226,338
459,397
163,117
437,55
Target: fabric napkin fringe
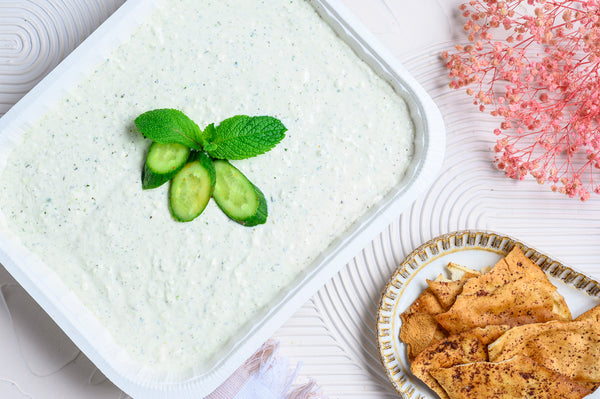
x,y
309,390
265,375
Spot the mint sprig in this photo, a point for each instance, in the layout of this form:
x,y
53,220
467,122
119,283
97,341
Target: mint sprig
x,y
235,138
166,126
243,136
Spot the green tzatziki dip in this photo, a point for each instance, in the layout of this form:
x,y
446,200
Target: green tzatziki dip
x,y
172,294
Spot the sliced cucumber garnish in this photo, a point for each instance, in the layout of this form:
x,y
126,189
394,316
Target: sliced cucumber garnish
x,y
241,200
192,187
162,163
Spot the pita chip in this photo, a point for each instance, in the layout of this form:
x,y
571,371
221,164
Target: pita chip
x,y
446,290
467,347
570,348
514,292
515,378
419,327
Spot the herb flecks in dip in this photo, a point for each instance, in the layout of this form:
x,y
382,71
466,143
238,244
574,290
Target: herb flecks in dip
x,y
172,294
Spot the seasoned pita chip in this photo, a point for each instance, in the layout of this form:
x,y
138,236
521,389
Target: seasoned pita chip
x,y
513,304
514,266
570,348
519,264
426,303
446,290
419,327
516,291
418,331
467,347
519,377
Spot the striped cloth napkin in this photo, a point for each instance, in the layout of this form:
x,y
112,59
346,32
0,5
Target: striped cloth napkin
x,y
266,375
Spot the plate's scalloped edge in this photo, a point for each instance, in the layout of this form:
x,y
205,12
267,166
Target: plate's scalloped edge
x,y
458,239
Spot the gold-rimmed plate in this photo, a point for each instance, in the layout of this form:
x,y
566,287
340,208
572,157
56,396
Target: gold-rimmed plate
x,y
475,249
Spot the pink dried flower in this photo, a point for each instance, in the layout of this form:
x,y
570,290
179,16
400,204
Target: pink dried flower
x,y
535,64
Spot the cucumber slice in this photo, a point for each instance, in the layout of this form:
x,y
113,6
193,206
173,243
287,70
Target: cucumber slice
x,y
241,200
192,187
162,163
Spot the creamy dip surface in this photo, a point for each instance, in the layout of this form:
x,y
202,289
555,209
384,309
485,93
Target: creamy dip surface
x,y
172,294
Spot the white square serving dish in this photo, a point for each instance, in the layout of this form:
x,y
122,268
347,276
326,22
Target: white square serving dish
x,y
78,322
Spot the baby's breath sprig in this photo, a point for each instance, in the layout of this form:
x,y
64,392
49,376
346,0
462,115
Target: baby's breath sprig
x,y
535,64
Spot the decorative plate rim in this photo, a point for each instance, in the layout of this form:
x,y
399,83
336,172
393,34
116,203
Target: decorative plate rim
x,y
426,252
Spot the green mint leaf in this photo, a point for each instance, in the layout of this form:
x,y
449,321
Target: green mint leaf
x,y
167,126
207,136
242,137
